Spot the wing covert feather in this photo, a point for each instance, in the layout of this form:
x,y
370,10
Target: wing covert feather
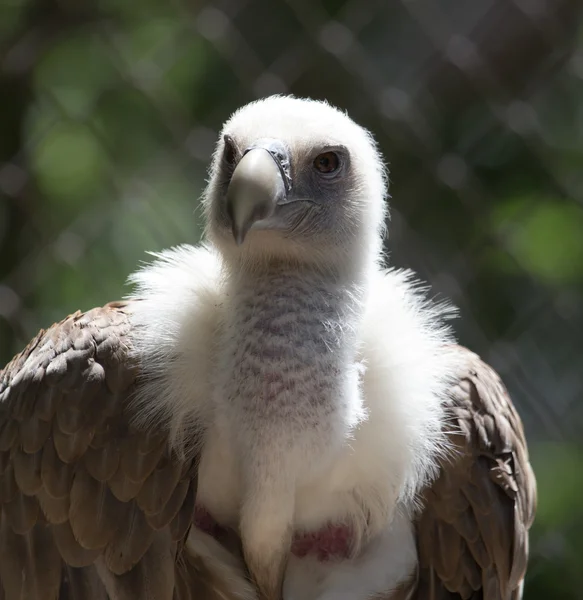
x,y
91,506
473,531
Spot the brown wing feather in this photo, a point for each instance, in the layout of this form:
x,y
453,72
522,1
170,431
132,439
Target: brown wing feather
x,y
90,506
473,531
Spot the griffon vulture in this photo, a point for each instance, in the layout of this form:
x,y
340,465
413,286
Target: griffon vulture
x,y
272,414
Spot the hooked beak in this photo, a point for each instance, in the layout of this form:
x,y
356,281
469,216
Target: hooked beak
x,y
260,182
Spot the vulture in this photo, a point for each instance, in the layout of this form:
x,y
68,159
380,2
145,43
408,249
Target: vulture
x,y
272,414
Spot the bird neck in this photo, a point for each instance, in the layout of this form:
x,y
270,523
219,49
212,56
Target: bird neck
x,y
288,288
289,313
289,344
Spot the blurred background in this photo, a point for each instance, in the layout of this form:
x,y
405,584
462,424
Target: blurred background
x,y
108,115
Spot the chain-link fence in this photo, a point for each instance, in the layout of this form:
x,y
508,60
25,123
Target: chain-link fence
x,y
109,112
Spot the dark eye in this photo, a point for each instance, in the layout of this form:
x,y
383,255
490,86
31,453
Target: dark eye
x,y
328,162
230,151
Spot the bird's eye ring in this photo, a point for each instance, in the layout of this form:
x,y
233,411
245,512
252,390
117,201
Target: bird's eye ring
x,y
327,163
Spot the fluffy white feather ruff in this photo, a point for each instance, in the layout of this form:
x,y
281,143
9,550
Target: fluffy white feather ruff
x,y
407,367
175,318
410,366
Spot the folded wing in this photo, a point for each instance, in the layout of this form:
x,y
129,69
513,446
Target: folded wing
x,y
91,505
473,531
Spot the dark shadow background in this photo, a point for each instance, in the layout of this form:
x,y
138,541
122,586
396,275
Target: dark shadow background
x,y
108,115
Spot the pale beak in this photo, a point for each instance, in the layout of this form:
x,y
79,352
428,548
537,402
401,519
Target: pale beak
x,y
259,183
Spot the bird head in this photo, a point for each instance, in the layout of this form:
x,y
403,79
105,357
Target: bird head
x,y
295,179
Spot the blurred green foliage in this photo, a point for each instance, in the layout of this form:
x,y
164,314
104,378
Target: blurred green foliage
x,y
109,113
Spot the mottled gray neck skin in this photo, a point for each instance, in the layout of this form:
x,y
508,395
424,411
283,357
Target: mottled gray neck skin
x,y
288,353
297,314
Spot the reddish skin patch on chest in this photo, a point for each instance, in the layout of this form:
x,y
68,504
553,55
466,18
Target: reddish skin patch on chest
x,y
332,542
205,522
